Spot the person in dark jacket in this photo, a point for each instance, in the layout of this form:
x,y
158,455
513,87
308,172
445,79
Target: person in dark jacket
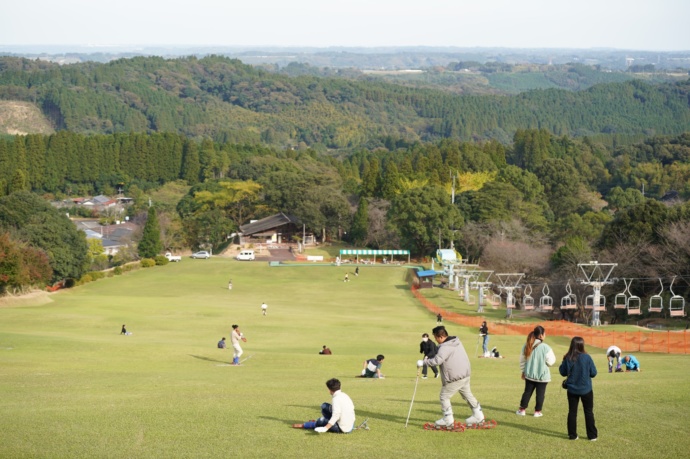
x,y
484,333
579,367
428,348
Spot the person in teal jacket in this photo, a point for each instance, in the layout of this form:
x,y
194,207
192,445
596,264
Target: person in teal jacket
x,y
630,363
535,359
579,367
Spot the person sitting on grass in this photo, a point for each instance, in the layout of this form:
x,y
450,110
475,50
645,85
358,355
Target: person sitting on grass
x,y
325,351
338,417
124,331
372,368
221,343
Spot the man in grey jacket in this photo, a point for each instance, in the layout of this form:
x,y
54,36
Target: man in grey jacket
x,y
455,377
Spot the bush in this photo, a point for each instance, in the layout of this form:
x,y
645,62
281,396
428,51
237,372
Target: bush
x,y
117,270
95,275
85,279
147,263
161,260
130,267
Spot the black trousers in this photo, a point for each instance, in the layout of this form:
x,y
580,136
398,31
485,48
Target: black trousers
x,y
588,408
530,387
425,367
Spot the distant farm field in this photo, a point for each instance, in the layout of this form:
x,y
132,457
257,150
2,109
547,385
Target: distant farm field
x,y
72,386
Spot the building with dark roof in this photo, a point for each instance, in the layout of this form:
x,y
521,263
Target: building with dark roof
x,y
276,229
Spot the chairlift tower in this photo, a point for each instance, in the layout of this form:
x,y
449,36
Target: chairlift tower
x,y
596,275
510,282
466,274
480,282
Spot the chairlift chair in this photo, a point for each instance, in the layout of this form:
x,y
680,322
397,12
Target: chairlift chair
x,y
656,302
620,301
527,300
589,303
634,305
676,305
495,301
545,302
570,300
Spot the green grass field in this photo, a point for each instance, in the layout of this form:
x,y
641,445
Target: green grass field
x,y
72,386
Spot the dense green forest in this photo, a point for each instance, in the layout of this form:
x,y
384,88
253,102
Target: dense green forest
x,y
225,100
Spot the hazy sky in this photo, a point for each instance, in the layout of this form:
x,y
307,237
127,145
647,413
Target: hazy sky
x,y
625,24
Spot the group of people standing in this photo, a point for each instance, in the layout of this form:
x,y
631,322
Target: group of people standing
x,y
577,366
535,359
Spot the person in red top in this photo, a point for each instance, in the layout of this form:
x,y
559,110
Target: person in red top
x,y
325,351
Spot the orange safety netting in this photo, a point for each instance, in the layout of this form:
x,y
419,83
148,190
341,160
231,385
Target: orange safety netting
x,y
668,342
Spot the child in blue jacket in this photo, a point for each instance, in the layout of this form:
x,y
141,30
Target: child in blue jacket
x,y
631,363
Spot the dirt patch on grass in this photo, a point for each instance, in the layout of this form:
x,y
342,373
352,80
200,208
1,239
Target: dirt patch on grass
x,y
34,298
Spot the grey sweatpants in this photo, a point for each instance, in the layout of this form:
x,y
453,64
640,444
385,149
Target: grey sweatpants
x,y
463,387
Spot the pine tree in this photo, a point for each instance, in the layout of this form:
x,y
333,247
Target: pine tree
x,y
360,223
150,244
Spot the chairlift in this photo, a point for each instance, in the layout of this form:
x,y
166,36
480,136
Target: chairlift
x,y
570,300
634,302
545,302
656,302
589,303
620,301
495,300
676,305
527,300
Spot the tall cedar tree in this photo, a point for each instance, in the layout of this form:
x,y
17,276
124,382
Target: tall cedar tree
x,y
150,244
360,223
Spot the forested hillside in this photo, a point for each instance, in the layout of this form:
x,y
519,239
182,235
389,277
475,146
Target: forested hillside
x,y
226,100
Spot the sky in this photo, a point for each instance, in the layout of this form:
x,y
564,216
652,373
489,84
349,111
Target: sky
x,y
655,25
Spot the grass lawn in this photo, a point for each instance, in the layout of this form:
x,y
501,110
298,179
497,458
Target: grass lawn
x,y
72,386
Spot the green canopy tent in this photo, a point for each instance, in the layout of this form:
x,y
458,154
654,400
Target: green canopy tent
x,y
358,252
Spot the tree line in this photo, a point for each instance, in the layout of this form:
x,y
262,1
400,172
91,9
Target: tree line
x,y
539,205
228,101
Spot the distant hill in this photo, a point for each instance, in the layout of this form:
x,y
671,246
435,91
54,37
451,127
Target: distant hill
x,y
227,100
21,118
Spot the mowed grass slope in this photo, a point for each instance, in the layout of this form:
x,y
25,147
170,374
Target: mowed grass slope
x,y
71,386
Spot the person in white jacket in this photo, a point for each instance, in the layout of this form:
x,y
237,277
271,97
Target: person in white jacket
x,y
338,417
614,352
535,359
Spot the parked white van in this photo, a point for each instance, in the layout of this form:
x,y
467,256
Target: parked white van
x,y
245,255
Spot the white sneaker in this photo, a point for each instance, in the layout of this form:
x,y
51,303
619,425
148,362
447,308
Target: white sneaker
x,y
476,418
447,421
538,414
423,377
520,412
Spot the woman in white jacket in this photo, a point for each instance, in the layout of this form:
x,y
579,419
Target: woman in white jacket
x,y
535,359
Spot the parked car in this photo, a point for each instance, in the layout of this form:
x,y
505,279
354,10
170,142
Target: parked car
x,y
203,254
172,257
246,255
